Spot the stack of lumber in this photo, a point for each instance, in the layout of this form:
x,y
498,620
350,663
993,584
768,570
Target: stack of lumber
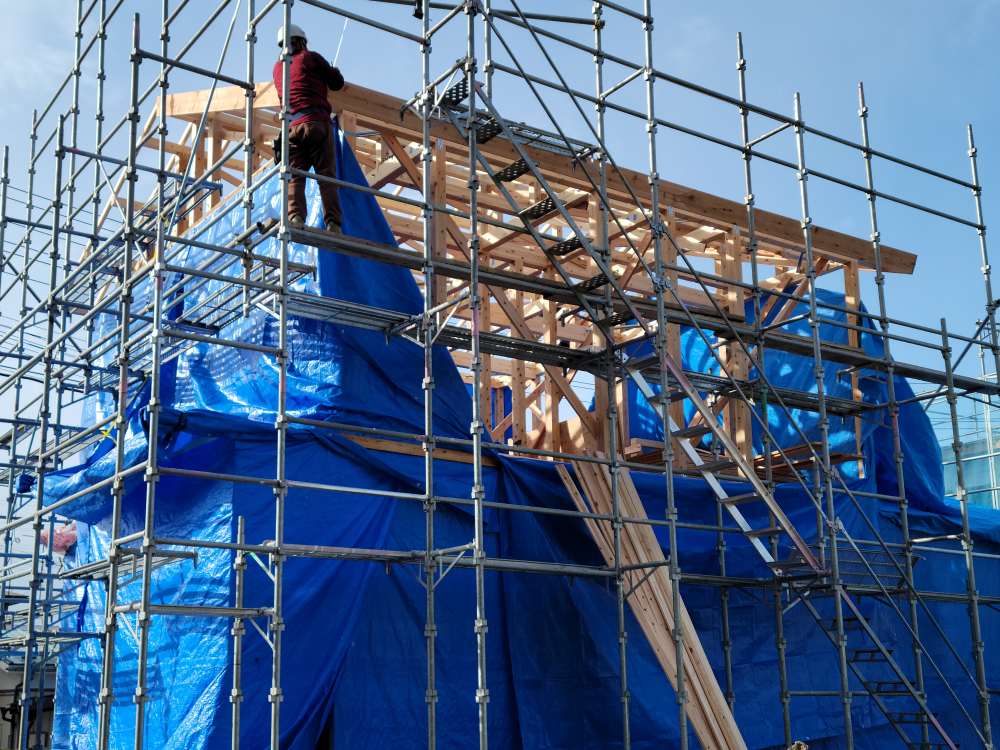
x,y
652,601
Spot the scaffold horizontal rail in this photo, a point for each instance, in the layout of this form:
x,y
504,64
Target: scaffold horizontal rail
x,y
191,610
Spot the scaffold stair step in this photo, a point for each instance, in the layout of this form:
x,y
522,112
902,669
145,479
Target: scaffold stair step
x,y
850,623
487,131
713,466
566,246
512,171
868,655
910,717
537,210
795,566
617,319
692,432
749,497
595,282
889,689
456,94
810,563
770,530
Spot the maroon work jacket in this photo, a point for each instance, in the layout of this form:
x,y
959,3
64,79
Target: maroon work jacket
x,y
311,76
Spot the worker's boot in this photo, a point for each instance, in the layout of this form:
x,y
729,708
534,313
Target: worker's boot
x,y
332,226
297,222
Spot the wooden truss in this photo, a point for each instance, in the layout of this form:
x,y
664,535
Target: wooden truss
x,y
710,230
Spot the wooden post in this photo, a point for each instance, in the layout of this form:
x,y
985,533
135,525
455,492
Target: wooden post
x,y
621,403
200,164
499,409
349,124
518,384
736,417
214,149
486,384
439,231
601,403
552,396
852,300
669,254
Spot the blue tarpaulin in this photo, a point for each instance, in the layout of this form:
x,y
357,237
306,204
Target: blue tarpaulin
x,y
354,662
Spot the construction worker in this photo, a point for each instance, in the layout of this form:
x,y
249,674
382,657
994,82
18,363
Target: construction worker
x,y
310,133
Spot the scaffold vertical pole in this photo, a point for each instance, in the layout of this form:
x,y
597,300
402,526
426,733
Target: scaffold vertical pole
x,y
96,201
9,515
487,47
4,182
12,482
152,475
34,580
249,145
475,306
107,696
612,400
281,422
991,303
977,642
661,343
749,199
240,566
962,495
429,332
988,421
826,478
63,318
898,457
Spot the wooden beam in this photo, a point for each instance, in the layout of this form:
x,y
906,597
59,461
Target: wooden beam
x,y
652,601
413,449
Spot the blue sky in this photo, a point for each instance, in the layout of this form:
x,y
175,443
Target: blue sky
x,y
929,70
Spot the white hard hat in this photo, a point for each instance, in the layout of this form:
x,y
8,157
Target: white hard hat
x,y
296,31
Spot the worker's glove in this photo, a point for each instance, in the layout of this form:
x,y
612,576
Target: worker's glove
x,y
276,147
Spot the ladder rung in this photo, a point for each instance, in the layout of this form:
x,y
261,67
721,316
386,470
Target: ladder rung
x,y
739,499
512,171
754,533
692,432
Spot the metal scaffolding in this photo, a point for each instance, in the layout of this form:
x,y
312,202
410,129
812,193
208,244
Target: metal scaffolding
x,y
130,263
